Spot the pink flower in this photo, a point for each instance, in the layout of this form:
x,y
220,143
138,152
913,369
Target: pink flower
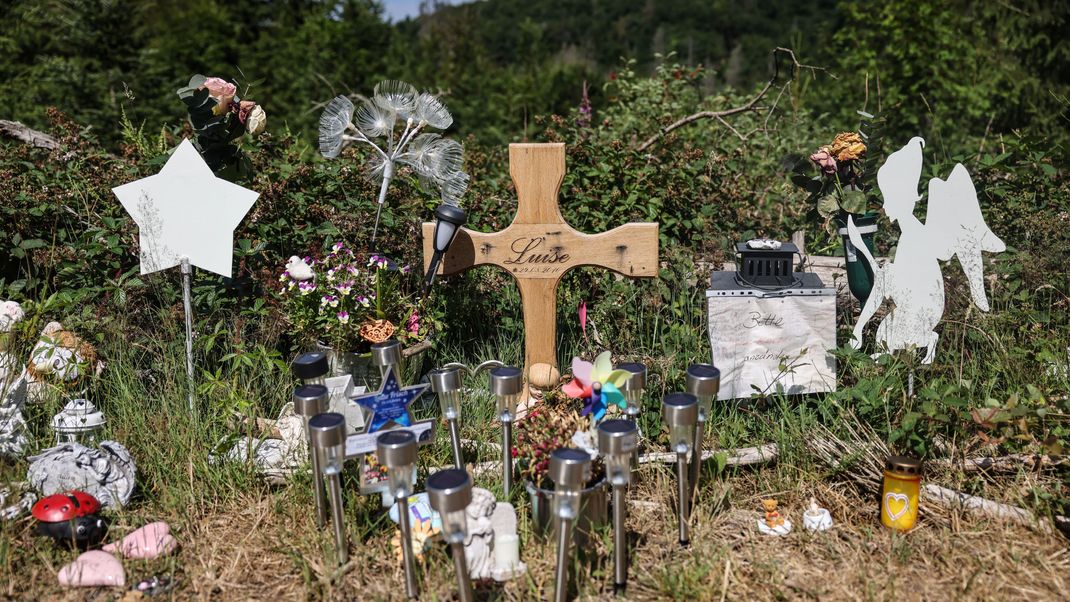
x,y
222,92
413,325
824,159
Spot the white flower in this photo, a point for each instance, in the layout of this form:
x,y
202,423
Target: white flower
x,y
585,440
256,121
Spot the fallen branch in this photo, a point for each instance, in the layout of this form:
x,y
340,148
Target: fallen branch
x,y
1010,463
14,129
749,106
984,507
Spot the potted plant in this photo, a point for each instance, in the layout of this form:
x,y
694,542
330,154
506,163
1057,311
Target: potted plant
x,y
552,425
840,190
343,303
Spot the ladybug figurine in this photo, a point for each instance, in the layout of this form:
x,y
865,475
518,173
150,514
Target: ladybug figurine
x,y
70,519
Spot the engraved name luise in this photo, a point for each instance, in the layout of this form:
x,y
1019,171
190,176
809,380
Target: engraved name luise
x,y
534,252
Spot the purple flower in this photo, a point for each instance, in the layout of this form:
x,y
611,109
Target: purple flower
x,y
343,317
306,287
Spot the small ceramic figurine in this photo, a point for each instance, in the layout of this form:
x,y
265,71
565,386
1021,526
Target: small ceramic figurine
x,y
106,472
422,533
11,313
491,525
816,518
92,569
298,269
773,523
13,440
59,357
70,519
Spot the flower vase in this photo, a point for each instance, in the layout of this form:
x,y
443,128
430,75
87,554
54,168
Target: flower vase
x,y
859,272
594,510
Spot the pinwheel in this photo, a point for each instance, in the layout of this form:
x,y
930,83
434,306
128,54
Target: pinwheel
x,y
597,384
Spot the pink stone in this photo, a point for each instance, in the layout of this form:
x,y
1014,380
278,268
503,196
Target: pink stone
x,y
150,541
93,568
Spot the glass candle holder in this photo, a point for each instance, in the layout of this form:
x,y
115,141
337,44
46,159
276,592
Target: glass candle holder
x,y
506,384
446,383
900,493
633,387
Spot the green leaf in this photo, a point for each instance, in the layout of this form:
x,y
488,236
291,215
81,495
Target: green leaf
x,y
827,206
853,201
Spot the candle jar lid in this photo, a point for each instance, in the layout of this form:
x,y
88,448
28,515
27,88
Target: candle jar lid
x,y
310,365
79,415
903,464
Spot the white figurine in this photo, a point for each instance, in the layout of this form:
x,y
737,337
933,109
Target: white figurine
x,y
914,283
106,472
773,524
816,518
298,269
491,547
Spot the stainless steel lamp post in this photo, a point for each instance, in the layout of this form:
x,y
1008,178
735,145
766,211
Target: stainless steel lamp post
x,y
570,470
680,412
633,388
329,440
397,451
446,383
617,441
311,368
450,491
310,400
506,383
703,381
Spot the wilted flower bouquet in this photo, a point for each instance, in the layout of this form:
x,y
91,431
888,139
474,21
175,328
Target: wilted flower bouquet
x,y
550,426
347,302
838,188
220,119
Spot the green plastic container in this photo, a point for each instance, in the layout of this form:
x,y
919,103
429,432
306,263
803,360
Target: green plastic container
x,y
859,274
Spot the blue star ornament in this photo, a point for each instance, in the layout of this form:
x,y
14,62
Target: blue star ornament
x,y
390,403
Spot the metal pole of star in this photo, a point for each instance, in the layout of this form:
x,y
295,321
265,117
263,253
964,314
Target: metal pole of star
x,y
187,304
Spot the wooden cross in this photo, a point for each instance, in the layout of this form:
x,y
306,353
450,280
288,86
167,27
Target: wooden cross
x,y
540,246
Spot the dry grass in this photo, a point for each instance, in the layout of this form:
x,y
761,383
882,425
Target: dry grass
x,y
263,545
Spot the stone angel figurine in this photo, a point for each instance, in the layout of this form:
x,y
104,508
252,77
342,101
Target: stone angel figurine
x,y
914,282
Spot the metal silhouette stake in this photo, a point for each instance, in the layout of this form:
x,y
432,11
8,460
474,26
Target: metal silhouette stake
x,y
680,413
450,492
570,470
954,227
310,400
506,384
446,383
703,381
329,439
397,451
618,440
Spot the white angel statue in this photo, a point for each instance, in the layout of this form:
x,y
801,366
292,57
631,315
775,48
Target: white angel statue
x,y
913,282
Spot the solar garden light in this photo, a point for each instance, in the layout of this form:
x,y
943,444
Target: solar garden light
x,y
328,431
680,413
387,355
703,381
310,400
570,470
397,452
448,220
450,492
506,383
617,441
633,388
446,383
311,368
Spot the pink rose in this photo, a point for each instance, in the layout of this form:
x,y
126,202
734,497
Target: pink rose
x,y
413,325
824,159
221,91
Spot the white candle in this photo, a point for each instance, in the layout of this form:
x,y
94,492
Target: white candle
x,y
506,551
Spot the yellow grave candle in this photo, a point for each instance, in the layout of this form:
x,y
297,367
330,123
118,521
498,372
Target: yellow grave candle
x,y
900,493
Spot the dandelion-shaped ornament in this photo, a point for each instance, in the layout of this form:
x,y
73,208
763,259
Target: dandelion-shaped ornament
x,y
436,160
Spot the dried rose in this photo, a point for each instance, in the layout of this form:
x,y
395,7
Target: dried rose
x,y
824,159
257,121
847,146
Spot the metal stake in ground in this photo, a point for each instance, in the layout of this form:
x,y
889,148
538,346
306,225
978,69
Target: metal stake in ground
x,y
680,413
310,400
328,433
397,451
506,384
450,491
703,381
187,305
446,383
617,441
570,470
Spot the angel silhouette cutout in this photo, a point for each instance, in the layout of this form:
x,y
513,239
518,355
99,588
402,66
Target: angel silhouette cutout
x,y
914,282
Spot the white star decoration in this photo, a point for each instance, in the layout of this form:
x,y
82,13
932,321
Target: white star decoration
x,y
185,211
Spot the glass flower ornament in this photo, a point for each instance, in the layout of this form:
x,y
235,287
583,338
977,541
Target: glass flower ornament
x,y
393,123
597,384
